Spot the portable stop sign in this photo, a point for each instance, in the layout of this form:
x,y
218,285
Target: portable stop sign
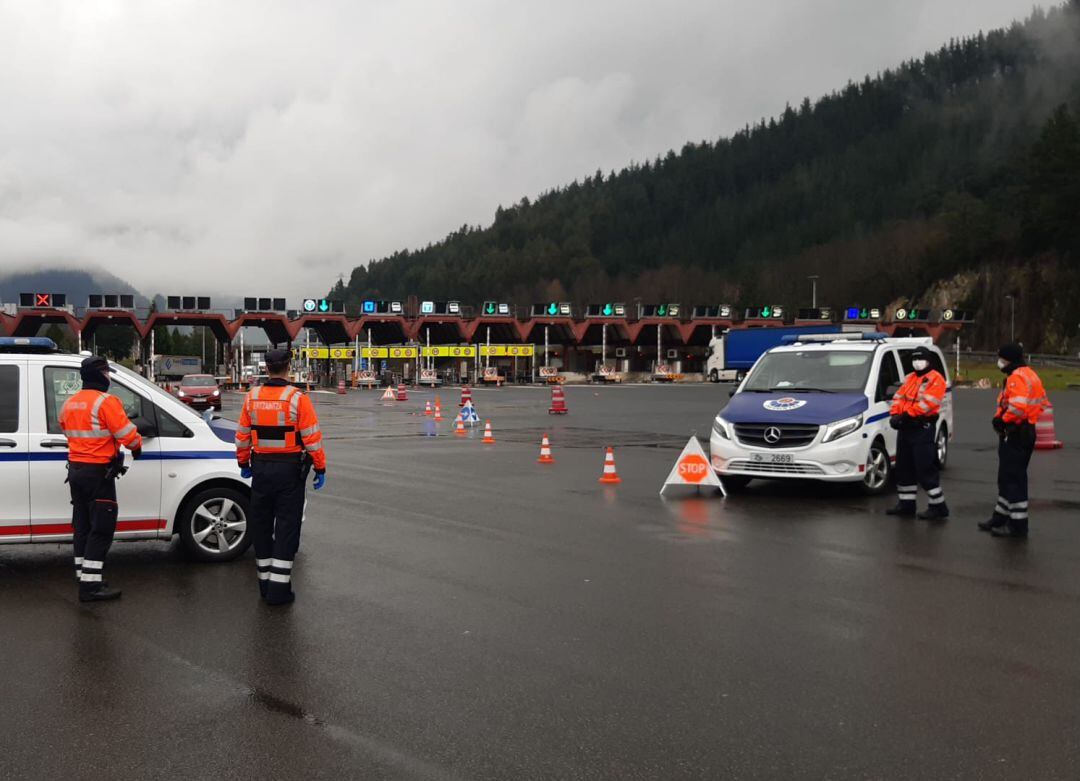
x,y
693,468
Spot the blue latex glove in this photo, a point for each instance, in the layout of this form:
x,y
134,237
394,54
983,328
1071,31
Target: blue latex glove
x,y
245,472
320,480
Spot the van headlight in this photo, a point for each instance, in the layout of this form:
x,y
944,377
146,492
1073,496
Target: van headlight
x,y
842,428
719,426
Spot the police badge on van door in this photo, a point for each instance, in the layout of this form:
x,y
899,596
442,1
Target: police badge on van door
x,y
785,404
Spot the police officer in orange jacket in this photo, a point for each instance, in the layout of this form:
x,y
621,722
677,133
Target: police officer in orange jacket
x,y
1020,403
277,441
95,425
914,414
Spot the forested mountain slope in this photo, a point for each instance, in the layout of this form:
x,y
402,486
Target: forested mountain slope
x,y
952,179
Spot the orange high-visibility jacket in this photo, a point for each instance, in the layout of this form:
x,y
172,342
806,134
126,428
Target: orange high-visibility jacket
x,y
278,419
920,397
95,425
1024,397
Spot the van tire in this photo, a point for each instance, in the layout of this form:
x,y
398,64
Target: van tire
x,y
191,524
941,446
876,482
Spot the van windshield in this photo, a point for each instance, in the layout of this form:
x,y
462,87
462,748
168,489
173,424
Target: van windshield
x,y
808,371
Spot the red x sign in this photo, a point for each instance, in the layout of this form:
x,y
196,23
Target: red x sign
x,y
43,299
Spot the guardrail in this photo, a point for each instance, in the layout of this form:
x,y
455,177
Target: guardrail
x,y
1035,359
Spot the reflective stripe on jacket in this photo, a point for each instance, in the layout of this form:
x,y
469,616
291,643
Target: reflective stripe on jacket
x,y
278,419
95,425
920,396
1023,398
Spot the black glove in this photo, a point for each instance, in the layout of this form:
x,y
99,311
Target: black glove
x,y
999,426
896,421
136,454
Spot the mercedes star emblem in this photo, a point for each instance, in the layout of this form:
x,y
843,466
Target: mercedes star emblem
x,y
772,435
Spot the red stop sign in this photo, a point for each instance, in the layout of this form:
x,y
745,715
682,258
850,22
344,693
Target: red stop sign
x,y
693,468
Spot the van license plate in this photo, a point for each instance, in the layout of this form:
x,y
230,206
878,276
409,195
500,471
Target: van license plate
x,y
772,458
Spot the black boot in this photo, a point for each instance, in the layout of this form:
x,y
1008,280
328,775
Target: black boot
x,y
902,509
100,594
935,512
262,589
1015,529
276,599
995,521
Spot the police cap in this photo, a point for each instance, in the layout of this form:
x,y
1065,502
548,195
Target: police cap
x,y
921,353
95,363
278,357
1013,353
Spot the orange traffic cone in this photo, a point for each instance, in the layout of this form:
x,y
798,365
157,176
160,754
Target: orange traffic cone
x,y
427,409
545,452
459,429
488,438
438,413
610,475
1045,435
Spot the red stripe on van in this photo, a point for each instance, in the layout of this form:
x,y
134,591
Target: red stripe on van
x,y
156,524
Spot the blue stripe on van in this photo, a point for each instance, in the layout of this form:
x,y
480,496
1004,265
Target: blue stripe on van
x,y
876,418
176,455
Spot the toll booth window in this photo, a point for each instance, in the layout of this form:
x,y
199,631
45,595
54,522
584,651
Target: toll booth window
x,y
61,383
812,370
9,399
887,377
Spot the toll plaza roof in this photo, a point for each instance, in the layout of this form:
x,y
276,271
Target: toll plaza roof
x,y
442,329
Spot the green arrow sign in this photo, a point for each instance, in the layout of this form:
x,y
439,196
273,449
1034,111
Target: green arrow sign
x,y
661,310
490,309
766,311
607,310
324,306
553,309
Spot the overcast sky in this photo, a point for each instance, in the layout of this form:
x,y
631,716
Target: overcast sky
x,y
265,147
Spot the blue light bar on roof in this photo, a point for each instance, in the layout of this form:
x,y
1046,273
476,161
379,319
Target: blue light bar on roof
x,y
823,338
34,342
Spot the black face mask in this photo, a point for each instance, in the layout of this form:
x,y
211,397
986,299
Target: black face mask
x,y
94,379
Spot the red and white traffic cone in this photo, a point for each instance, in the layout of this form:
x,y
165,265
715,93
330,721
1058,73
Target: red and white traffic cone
x,y
466,395
427,409
341,387
610,475
401,394
459,428
488,438
545,452
1045,434
438,412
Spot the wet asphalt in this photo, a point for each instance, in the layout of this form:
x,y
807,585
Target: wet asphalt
x,y
464,612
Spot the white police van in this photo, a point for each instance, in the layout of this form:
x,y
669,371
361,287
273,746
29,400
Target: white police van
x,y
187,481
817,407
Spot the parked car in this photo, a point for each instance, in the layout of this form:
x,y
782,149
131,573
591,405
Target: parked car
x,y
187,482
199,391
818,408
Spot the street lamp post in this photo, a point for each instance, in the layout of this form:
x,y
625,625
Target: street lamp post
x,y
1012,318
813,290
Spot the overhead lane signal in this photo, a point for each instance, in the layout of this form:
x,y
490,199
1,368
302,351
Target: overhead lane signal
x,y
257,304
553,309
775,312
323,306
43,300
819,314
856,314
187,303
609,309
110,301
911,314
495,309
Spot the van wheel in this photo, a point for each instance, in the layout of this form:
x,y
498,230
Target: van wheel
x,y
213,524
714,376
878,469
942,446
